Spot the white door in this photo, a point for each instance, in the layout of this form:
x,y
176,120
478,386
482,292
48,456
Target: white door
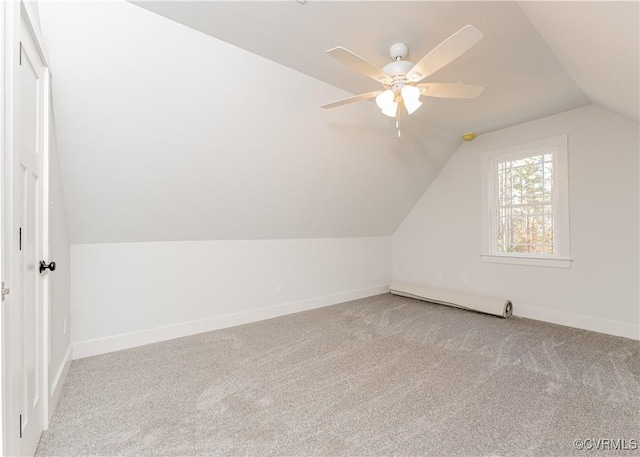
x,y
25,308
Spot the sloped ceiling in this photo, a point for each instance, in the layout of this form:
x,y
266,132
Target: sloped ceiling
x,y
523,78
166,133
599,45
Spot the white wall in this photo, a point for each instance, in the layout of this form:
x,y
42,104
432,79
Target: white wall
x,y
172,141
59,280
600,290
127,294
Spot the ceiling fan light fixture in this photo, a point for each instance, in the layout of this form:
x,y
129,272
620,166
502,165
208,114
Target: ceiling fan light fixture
x,y
410,93
412,105
391,110
411,98
385,99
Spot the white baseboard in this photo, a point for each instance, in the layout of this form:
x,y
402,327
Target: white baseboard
x,y
128,340
59,380
578,321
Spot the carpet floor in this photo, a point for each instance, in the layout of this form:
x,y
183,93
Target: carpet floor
x,y
383,375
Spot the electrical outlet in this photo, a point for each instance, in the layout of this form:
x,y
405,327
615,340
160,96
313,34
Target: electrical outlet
x,y
64,326
463,279
439,276
279,288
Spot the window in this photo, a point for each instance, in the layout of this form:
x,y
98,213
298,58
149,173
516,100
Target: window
x,y
524,205
526,213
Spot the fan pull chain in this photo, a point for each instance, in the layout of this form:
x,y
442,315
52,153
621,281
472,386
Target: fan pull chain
x,y
398,126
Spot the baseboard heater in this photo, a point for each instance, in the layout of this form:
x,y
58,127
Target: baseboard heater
x,y
496,306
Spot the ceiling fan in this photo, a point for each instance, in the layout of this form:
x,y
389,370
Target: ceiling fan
x,y
400,78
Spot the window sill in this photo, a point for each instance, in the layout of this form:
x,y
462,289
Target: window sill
x,y
528,261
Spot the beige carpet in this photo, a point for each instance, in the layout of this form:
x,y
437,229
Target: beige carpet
x,y
380,376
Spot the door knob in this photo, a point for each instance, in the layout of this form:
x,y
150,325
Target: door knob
x,y
44,266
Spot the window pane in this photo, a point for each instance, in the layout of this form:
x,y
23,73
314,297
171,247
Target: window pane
x,y
525,211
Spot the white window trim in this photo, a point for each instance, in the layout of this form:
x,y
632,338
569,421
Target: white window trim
x,y
562,257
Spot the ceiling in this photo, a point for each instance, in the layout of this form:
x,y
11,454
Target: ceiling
x,y
167,133
599,47
523,77
159,141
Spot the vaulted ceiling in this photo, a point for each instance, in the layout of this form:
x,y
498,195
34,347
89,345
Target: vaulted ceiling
x,y
536,58
523,78
598,43
168,133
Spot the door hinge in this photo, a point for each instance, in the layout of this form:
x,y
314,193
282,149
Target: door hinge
x,y
20,239
5,291
20,425
20,53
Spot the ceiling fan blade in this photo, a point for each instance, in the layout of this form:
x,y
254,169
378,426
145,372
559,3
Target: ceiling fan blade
x,y
359,64
447,51
450,90
356,98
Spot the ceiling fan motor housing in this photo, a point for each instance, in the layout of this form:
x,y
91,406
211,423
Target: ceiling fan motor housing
x,y
398,69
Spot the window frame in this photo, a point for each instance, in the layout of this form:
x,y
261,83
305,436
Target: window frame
x,y
561,257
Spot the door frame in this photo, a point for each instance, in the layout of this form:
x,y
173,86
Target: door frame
x,y
11,13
